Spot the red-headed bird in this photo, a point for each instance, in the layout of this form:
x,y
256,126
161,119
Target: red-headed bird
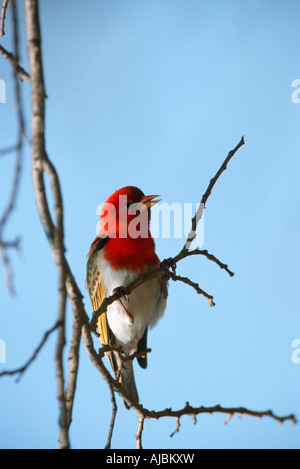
x,y
123,250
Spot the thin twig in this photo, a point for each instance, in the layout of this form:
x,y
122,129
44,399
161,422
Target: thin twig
x,y
177,427
13,244
199,213
19,156
124,358
14,190
113,416
193,411
8,269
8,150
199,290
139,432
2,20
12,60
61,341
73,365
211,257
21,126
21,370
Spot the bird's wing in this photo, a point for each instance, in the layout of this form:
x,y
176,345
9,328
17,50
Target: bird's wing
x,y
97,294
96,288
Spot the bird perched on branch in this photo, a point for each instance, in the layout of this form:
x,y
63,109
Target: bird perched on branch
x,y
123,250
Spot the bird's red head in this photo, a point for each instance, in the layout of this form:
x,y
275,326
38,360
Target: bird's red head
x,y
125,220
126,213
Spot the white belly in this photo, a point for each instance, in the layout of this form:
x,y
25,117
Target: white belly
x,y
145,305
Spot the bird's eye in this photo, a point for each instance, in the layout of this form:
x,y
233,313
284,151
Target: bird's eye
x,y
127,205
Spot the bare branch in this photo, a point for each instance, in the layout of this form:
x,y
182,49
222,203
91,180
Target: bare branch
x,y
20,371
124,358
61,341
140,429
177,427
41,163
8,150
193,411
98,363
13,196
220,171
113,416
199,213
204,252
14,244
19,158
144,413
8,269
21,125
73,366
12,60
199,290
2,20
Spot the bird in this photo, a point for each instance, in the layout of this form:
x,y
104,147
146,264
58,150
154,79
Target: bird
x,y
123,250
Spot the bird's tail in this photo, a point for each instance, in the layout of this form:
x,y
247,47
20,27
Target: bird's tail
x,y
128,382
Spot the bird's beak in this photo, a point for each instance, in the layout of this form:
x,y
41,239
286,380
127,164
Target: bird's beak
x,y
148,201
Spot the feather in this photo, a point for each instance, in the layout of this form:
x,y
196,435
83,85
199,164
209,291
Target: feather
x,y
96,288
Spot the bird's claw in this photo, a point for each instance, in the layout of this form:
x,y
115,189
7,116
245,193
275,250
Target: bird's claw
x,y
168,264
122,293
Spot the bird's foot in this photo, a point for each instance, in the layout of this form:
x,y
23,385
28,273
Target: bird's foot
x,y
121,291
168,264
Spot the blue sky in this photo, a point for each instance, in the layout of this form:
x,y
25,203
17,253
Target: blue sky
x,y
155,94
